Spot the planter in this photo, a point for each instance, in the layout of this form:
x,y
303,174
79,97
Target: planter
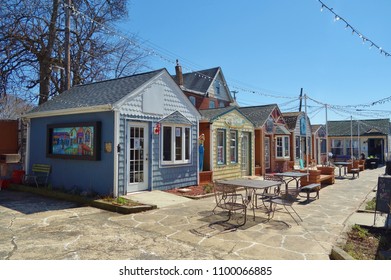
x,y
122,209
206,177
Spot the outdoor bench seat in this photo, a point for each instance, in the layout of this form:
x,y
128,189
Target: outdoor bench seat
x,y
361,164
40,174
322,175
311,188
355,171
355,168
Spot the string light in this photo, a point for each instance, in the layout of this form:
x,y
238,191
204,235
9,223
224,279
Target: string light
x,y
354,30
168,58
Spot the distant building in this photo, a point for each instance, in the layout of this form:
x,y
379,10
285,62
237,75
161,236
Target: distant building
x,y
300,127
352,138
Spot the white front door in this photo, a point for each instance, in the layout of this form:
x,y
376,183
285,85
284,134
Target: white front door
x,y
137,156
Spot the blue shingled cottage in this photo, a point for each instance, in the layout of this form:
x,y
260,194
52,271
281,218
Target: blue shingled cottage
x,y
117,136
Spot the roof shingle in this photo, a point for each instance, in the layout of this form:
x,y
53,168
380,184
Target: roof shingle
x,y
95,94
361,127
258,114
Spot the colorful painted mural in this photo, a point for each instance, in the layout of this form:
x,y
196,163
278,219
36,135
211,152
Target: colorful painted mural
x,y
73,141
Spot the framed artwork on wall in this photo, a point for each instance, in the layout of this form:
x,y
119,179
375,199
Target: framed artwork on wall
x,y
74,141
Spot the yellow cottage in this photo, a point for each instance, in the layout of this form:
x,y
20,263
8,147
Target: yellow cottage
x,y
226,145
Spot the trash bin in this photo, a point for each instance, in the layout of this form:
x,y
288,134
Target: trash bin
x,y
388,167
17,176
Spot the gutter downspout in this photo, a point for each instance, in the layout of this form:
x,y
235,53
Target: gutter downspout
x,y
307,129
115,150
211,160
197,152
28,141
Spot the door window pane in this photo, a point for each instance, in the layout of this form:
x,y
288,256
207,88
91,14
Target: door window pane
x,y
136,154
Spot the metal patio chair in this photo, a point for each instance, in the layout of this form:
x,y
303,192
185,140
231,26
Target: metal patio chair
x,y
227,199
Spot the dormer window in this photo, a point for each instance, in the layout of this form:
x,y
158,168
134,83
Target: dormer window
x,y
212,104
192,100
217,86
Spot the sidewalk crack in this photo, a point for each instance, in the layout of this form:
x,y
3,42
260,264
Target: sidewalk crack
x,y
15,246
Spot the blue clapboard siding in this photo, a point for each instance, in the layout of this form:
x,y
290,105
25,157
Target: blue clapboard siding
x,y
121,157
81,175
161,177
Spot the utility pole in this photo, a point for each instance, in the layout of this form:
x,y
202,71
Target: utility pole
x,y
234,92
67,45
327,136
301,99
351,138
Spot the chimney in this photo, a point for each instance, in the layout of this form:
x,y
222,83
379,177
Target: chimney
x,y
178,73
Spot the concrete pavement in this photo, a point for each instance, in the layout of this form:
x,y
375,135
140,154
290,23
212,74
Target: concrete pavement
x,y
33,227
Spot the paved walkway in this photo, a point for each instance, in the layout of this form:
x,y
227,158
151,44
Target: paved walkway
x,y
33,227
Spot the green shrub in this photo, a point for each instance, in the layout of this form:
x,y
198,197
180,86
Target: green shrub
x,y
371,205
208,188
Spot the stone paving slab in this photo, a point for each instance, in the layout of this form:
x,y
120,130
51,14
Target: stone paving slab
x,y
33,227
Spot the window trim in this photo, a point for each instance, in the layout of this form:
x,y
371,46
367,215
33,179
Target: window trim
x,y
185,158
285,150
224,156
334,147
235,147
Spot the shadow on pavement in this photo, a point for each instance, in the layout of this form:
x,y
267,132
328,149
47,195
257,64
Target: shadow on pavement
x,y
217,224
28,203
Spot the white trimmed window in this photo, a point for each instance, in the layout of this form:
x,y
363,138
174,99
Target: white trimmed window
x,y
176,143
282,146
220,146
337,146
234,146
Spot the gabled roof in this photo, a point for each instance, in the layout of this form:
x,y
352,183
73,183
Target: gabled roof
x,y
315,127
212,114
281,130
177,118
102,94
201,80
291,119
360,127
258,115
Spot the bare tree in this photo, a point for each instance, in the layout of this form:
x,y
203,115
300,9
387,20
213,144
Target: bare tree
x,y
32,45
12,107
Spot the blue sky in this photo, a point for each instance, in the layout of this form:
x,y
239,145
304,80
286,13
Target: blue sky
x,y
276,47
